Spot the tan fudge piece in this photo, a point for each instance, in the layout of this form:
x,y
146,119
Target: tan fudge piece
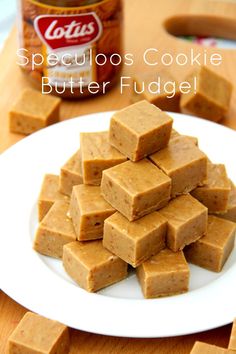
x,y
165,274
38,335
49,193
88,210
230,214
144,79
33,111
204,348
71,174
136,188
193,139
187,221
184,163
92,266
215,193
232,341
175,134
212,97
135,241
54,231
139,130
212,250
97,155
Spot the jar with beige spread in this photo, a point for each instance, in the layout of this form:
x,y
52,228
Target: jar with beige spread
x,y
69,45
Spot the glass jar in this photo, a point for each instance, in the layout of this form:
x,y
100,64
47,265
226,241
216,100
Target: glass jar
x,y
73,48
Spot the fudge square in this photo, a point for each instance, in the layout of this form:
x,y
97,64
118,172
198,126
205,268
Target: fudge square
x,y
139,130
160,99
232,341
204,348
184,163
230,214
97,155
88,210
212,250
165,274
55,230
33,111
175,134
71,174
135,241
212,97
215,193
92,266
136,188
187,221
49,193
38,335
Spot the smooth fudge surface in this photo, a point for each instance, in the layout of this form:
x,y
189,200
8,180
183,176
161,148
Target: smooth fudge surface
x,y
136,188
139,130
212,97
71,174
33,111
215,192
165,274
54,231
144,82
38,335
184,163
88,210
135,241
97,155
49,193
230,214
175,134
232,341
92,266
187,221
193,139
213,249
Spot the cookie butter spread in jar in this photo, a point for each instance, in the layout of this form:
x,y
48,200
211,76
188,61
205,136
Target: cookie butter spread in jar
x,y
72,47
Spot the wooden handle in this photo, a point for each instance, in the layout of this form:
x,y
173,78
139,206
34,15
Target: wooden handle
x,y
201,25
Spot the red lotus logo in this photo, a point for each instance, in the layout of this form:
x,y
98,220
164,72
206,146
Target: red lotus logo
x,y
60,31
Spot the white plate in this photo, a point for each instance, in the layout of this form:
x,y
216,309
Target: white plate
x,y
40,284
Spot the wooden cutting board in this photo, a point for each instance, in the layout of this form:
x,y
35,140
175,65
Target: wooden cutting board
x,y
145,26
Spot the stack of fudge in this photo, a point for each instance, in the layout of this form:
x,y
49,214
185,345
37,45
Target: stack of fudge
x,y
142,195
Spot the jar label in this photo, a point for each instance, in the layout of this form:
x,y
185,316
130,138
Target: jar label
x,y
68,31
75,35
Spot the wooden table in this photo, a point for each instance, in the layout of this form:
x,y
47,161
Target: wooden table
x,y
143,29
